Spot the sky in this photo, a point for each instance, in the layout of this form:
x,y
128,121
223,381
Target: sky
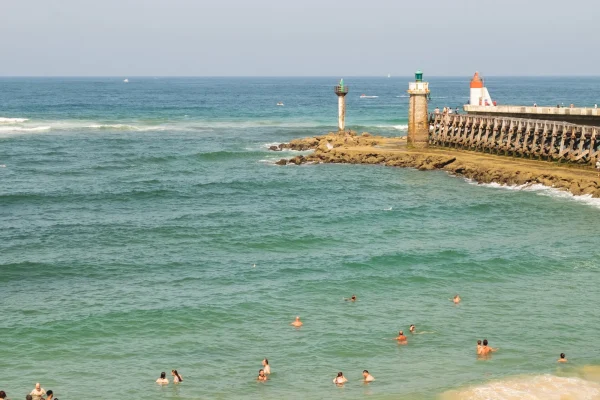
x,y
298,38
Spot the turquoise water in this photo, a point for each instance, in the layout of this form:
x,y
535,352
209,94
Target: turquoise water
x,y
132,215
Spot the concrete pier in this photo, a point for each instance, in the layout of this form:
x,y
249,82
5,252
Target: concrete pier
x,y
575,115
341,90
532,138
418,126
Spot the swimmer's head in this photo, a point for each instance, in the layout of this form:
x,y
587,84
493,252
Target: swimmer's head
x,y
297,318
49,392
353,297
365,372
340,374
2,394
479,342
37,386
412,328
562,355
265,362
162,375
28,397
400,333
485,342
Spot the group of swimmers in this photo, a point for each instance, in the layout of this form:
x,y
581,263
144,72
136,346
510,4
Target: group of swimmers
x,y
483,349
164,381
37,393
340,379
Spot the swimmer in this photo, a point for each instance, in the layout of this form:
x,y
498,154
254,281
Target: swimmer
x,y
352,299
456,299
368,377
485,350
49,395
401,338
162,380
479,347
176,377
340,379
562,358
266,366
261,376
412,329
38,392
297,323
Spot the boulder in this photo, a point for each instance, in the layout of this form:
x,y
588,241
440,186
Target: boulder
x,y
283,161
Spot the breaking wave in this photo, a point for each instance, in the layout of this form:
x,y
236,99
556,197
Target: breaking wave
x,y
542,190
18,129
4,120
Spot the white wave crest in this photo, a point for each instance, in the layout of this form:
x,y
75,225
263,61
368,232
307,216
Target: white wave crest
x,y
543,191
124,127
4,120
397,127
17,129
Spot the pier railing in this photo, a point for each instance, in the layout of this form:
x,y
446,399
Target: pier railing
x,y
549,140
343,90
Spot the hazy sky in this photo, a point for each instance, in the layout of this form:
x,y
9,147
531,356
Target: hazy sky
x,y
299,37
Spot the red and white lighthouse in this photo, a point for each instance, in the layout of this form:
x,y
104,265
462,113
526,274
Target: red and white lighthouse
x,y
479,93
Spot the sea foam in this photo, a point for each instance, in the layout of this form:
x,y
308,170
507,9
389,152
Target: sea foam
x,y
4,120
23,129
539,387
542,190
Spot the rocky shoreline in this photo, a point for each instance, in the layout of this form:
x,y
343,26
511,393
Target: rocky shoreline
x,y
353,148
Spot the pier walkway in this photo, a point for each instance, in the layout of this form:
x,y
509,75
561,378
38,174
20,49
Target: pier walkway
x,y
575,115
532,138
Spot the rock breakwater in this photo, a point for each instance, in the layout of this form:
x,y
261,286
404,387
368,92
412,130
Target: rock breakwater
x,y
352,148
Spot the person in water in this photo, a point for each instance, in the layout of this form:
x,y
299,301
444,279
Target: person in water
x,y
162,380
479,347
352,299
261,375
340,379
367,376
266,366
297,323
2,394
485,350
456,299
412,329
176,377
563,358
38,392
49,395
401,338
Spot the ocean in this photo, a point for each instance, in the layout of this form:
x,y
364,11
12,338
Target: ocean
x,y
144,227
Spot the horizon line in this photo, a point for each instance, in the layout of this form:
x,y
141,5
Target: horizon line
x,y
293,76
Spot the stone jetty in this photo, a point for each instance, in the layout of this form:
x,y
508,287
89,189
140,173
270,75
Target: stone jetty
x,y
353,148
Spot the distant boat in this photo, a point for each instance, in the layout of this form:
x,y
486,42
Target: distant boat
x,y
126,80
389,75
364,96
280,103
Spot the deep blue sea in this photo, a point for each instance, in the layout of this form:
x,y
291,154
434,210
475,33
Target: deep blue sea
x,y
144,227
